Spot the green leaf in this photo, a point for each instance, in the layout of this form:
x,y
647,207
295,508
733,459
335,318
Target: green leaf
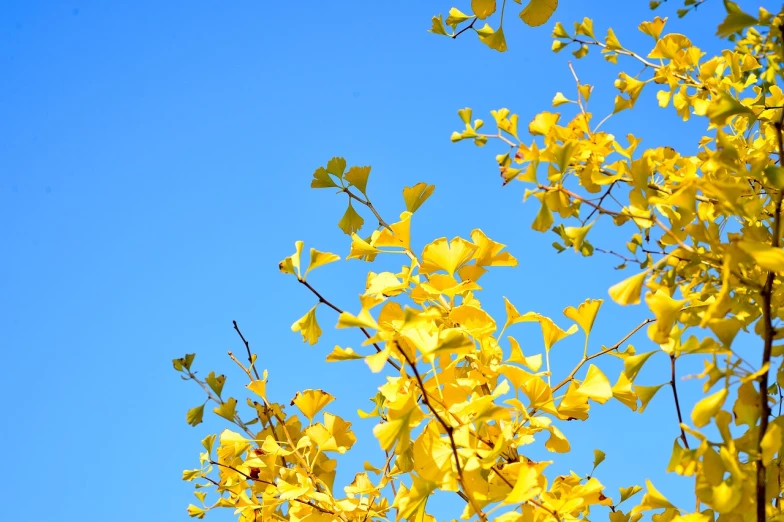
x,y
216,383
415,196
358,177
227,410
184,362
351,221
195,415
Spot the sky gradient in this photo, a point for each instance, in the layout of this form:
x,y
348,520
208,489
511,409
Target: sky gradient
x,y
155,162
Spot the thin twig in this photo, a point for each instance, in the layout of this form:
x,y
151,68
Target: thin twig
x,y
247,347
677,402
323,300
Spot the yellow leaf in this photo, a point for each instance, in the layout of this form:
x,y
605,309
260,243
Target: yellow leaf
x,y
526,487
259,387
390,432
358,177
456,17
351,221
399,237
646,393
361,249
483,8
446,255
196,512
596,386
652,500
343,354
624,393
227,409
321,179
544,219
489,253
628,291
537,12
557,441
495,40
585,314
318,259
195,415
415,196
764,255
291,265
552,333
310,402
308,326
560,99
771,443
533,363
437,26
632,364
707,408
542,123
539,395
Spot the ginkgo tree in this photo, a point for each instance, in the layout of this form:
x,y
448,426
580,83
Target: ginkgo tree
x,y
459,403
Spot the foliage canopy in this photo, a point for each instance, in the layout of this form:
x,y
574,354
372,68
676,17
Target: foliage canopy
x,y
461,401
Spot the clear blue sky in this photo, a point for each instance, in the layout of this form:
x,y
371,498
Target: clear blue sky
x,y
155,159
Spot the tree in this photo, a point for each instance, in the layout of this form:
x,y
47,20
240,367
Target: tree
x,y
703,232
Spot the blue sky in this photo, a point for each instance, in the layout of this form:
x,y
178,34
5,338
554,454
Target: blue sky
x,y
155,161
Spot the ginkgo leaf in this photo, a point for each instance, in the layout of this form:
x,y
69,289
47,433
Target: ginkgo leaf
x,y
437,26
195,415
707,408
557,441
343,354
526,487
552,333
666,309
228,409
310,402
322,179
598,457
585,314
196,511
652,499
483,8
596,386
358,177
764,255
259,387
537,12
215,382
308,326
771,443
494,40
446,255
336,166
415,196
351,221
624,393
632,364
318,259
533,362
456,17
628,291
645,394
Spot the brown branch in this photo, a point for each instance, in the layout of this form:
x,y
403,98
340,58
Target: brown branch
x,y
369,205
267,482
449,431
322,299
768,335
466,28
677,402
584,360
247,347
